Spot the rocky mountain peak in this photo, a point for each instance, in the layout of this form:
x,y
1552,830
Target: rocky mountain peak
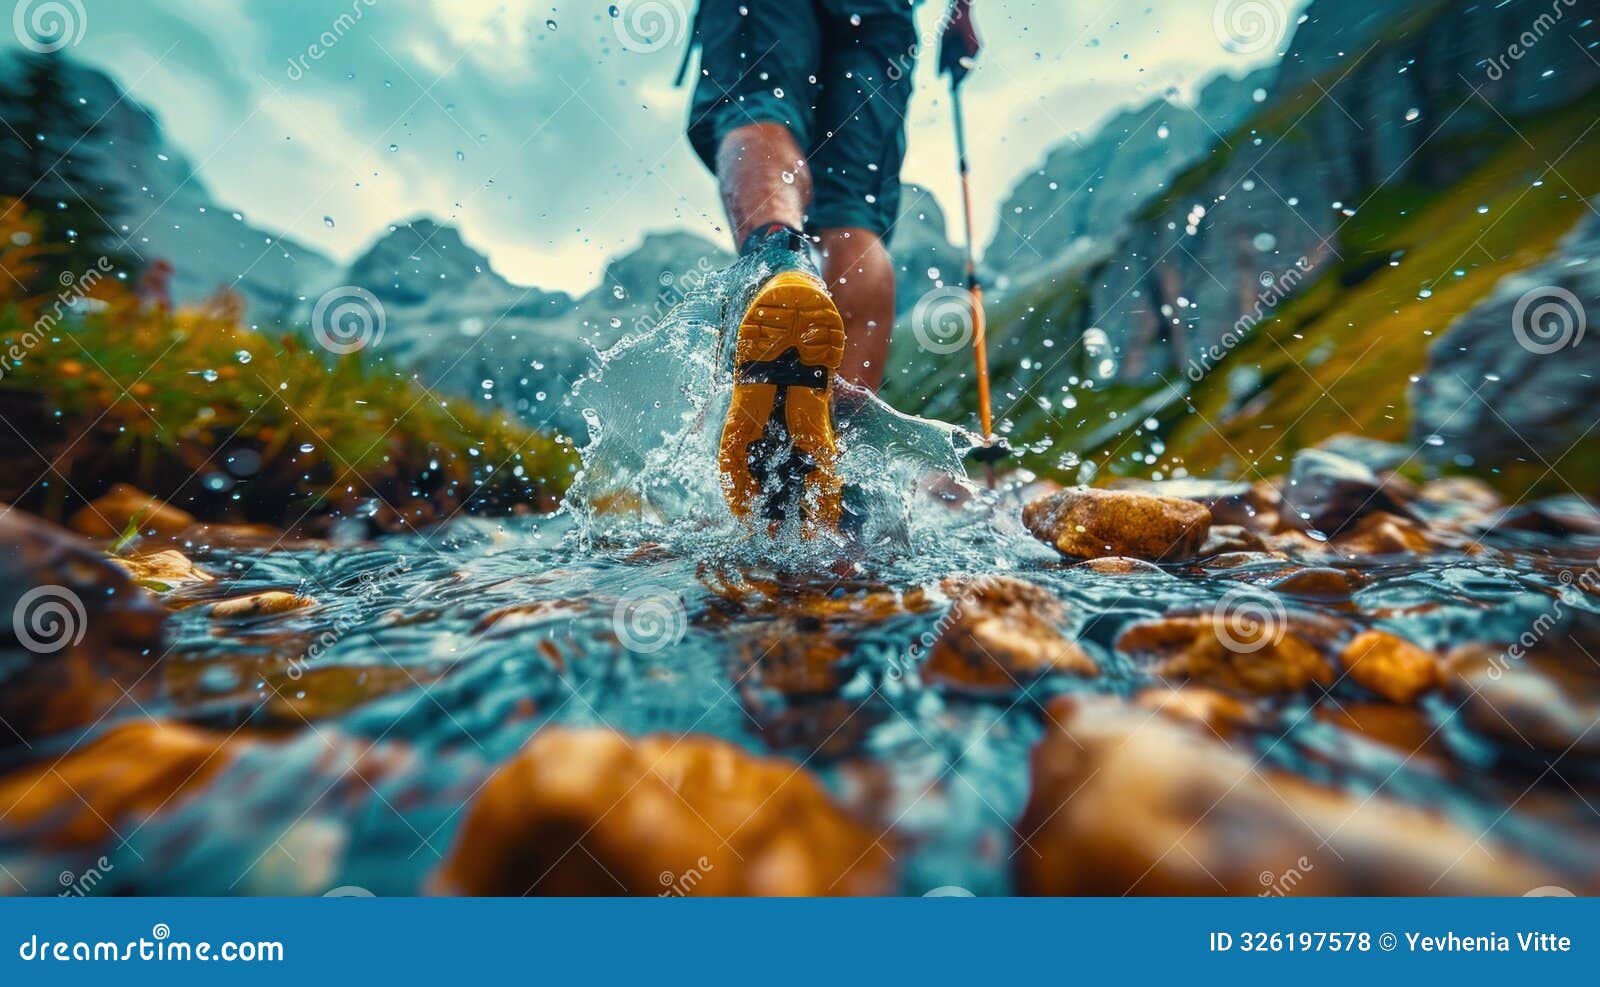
x,y
413,260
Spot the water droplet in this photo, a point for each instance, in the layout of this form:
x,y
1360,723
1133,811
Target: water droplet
x,y
328,222
243,356
393,148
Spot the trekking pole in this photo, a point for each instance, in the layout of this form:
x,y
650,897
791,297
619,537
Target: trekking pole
x,y
958,48
991,452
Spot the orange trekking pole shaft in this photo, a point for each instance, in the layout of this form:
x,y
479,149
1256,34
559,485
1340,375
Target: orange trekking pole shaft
x,y
980,347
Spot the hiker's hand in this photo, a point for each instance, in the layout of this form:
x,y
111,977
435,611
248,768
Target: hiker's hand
x,y
959,44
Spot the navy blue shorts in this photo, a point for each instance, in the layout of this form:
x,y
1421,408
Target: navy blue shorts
x,y
837,73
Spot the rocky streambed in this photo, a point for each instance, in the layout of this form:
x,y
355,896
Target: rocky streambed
x,y
1338,682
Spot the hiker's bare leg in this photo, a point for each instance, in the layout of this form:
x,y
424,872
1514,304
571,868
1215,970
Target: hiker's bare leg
x,y
751,163
861,278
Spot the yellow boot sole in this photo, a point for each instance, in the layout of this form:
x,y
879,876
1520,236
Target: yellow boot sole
x,y
790,345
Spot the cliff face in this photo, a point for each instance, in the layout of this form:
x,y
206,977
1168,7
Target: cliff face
x,y
1405,159
1409,104
1506,387
1082,196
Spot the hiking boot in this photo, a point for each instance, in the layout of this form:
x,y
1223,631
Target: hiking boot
x,y
779,456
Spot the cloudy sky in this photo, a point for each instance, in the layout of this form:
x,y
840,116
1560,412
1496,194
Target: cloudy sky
x,y
552,143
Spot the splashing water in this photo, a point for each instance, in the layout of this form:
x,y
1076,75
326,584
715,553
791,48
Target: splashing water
x,y
654,405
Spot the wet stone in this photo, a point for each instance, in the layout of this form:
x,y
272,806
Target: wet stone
x,y
1381,533
1244,656
111,784
260,605
1395,669
124,507
1326,492
1001,634
1318,583
164,571
1087,523
1123,803
591,812
1537,703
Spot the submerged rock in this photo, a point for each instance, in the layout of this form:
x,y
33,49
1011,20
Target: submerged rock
x,y
1125,804
1319,583
1395,669
1536,703
1235,651
92,793
1087,523
260,604
1222,714
591,812
1001,635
